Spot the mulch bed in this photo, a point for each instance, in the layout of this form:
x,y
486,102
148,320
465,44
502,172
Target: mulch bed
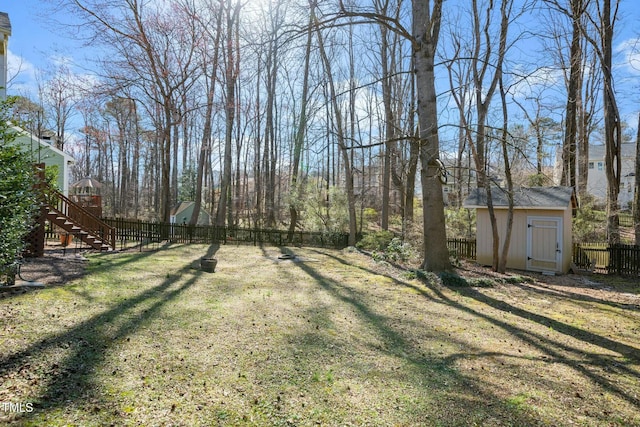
x,y
58,266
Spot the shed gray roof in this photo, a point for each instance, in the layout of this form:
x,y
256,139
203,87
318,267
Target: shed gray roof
x,y
531,198
5,23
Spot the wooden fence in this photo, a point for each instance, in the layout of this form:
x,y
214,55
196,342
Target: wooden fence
x,y
148,232
601,258
462,248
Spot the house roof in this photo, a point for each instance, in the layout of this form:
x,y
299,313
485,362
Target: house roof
x,y
524,198
181,207
627,150
23,135
5,23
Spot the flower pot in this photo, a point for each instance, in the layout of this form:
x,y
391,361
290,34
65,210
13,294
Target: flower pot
x,y
208,264
65,239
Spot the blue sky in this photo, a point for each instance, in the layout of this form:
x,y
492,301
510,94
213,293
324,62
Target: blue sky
x,y
36,47
33,45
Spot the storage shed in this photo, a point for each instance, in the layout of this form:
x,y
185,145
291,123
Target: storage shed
x,y
541,238
181,214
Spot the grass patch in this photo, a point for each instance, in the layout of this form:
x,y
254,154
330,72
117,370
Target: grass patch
x,y
326,339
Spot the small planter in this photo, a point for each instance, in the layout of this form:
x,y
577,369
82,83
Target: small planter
x,y
65,239
208,264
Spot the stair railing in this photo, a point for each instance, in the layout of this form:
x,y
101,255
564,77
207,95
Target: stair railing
x,y
88,222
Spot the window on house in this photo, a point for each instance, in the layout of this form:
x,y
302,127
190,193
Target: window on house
x,y
600,166
590,165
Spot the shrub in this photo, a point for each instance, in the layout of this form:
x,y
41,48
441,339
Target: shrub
x,y
589,224
18,199
461,223
370,215
323,210
376,241
481,282
453,280
397,250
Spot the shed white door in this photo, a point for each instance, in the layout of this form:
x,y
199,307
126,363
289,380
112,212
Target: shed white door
x,y
544,243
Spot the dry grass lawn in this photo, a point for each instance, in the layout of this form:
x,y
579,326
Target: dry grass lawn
x,y
329,338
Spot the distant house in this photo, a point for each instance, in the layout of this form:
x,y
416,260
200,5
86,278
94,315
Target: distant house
x,y
597,181
597,177
541,233
5,32
43,152
181,214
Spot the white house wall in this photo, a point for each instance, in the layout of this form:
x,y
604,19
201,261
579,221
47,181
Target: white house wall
x,y
597,178
5,32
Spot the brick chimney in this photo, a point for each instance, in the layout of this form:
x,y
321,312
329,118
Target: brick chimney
x,y
5,32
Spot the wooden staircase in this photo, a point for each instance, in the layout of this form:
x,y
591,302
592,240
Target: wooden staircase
x,y
77,221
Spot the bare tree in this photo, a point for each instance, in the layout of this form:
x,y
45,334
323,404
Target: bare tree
x,y
460,82
504,142
212,31
425,33
60,97
636,196
386,60
340,136
485,82
153,52
603,19
232,67
301,128
574,11
586,116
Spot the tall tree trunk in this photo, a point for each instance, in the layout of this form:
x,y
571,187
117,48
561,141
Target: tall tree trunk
x,y
205,141
340,139
502,262
575,76
388,118
301,130
257,159
231,71
636,195
165,186
613,133
205,144
414,153
484,96
426,28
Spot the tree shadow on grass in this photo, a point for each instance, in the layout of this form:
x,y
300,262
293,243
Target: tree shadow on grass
x,y
566,291
558,351
436,373
86,344
555,351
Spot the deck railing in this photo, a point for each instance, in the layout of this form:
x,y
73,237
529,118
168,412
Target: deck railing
x,y
88,222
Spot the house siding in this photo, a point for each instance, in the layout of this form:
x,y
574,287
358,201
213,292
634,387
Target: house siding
x,y
50,156
597,178
517,257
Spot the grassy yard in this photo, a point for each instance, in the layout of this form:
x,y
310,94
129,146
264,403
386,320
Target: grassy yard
x,y
330,338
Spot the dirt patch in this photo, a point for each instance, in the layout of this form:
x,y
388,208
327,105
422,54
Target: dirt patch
x,y
58,266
